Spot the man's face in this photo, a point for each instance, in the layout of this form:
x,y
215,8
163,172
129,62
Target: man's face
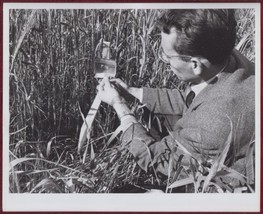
x,y
181,68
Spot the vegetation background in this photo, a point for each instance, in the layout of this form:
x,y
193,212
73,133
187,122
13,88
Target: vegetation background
x,y
52,82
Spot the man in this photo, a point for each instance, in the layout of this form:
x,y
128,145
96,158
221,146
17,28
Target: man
x,y
199,46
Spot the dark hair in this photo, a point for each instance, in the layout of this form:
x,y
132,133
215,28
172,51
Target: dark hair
x,y
210,33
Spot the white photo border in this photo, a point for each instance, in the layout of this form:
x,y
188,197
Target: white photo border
x,y
127,202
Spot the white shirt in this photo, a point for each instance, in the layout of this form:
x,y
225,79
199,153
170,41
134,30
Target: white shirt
x,y
199,87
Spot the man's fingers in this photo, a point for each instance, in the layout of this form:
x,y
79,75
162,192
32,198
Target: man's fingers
x,y
98,87
119,81
107,82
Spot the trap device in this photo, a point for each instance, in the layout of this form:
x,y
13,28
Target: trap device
x,y
103,66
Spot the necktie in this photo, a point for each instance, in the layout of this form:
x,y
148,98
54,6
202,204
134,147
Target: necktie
x,y
189,98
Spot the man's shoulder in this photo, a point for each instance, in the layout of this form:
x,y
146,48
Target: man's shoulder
x,y
235,86
241,74
243,63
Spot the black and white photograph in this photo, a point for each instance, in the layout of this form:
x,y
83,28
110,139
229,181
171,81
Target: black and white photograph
x,y
131,107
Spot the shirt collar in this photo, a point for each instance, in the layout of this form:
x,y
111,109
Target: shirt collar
x,y
199,87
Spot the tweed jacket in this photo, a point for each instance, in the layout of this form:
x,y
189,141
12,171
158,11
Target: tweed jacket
x,y
200,131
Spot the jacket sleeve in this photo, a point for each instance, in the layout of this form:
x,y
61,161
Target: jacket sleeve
x,y
164,101
200,134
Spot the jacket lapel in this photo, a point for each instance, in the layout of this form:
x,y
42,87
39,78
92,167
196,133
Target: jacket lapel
x,y
212,88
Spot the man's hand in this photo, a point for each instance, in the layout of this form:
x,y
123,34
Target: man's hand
x,y
107,92
120,83
127,91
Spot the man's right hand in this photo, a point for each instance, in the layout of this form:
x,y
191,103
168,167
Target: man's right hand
x,y
126,91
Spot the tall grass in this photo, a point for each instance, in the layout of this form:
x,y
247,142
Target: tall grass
x,y
52,77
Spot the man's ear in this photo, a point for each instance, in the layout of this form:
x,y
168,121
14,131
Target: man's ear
x,y
199,65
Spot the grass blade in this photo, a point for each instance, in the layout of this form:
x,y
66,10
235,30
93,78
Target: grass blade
x,y
17,161
87,124
22,160
121,128
181,182
27,28
219,161
49,146
48,185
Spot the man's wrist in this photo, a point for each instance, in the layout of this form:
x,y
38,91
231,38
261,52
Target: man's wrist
x,y
126,119
124,113
122,109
